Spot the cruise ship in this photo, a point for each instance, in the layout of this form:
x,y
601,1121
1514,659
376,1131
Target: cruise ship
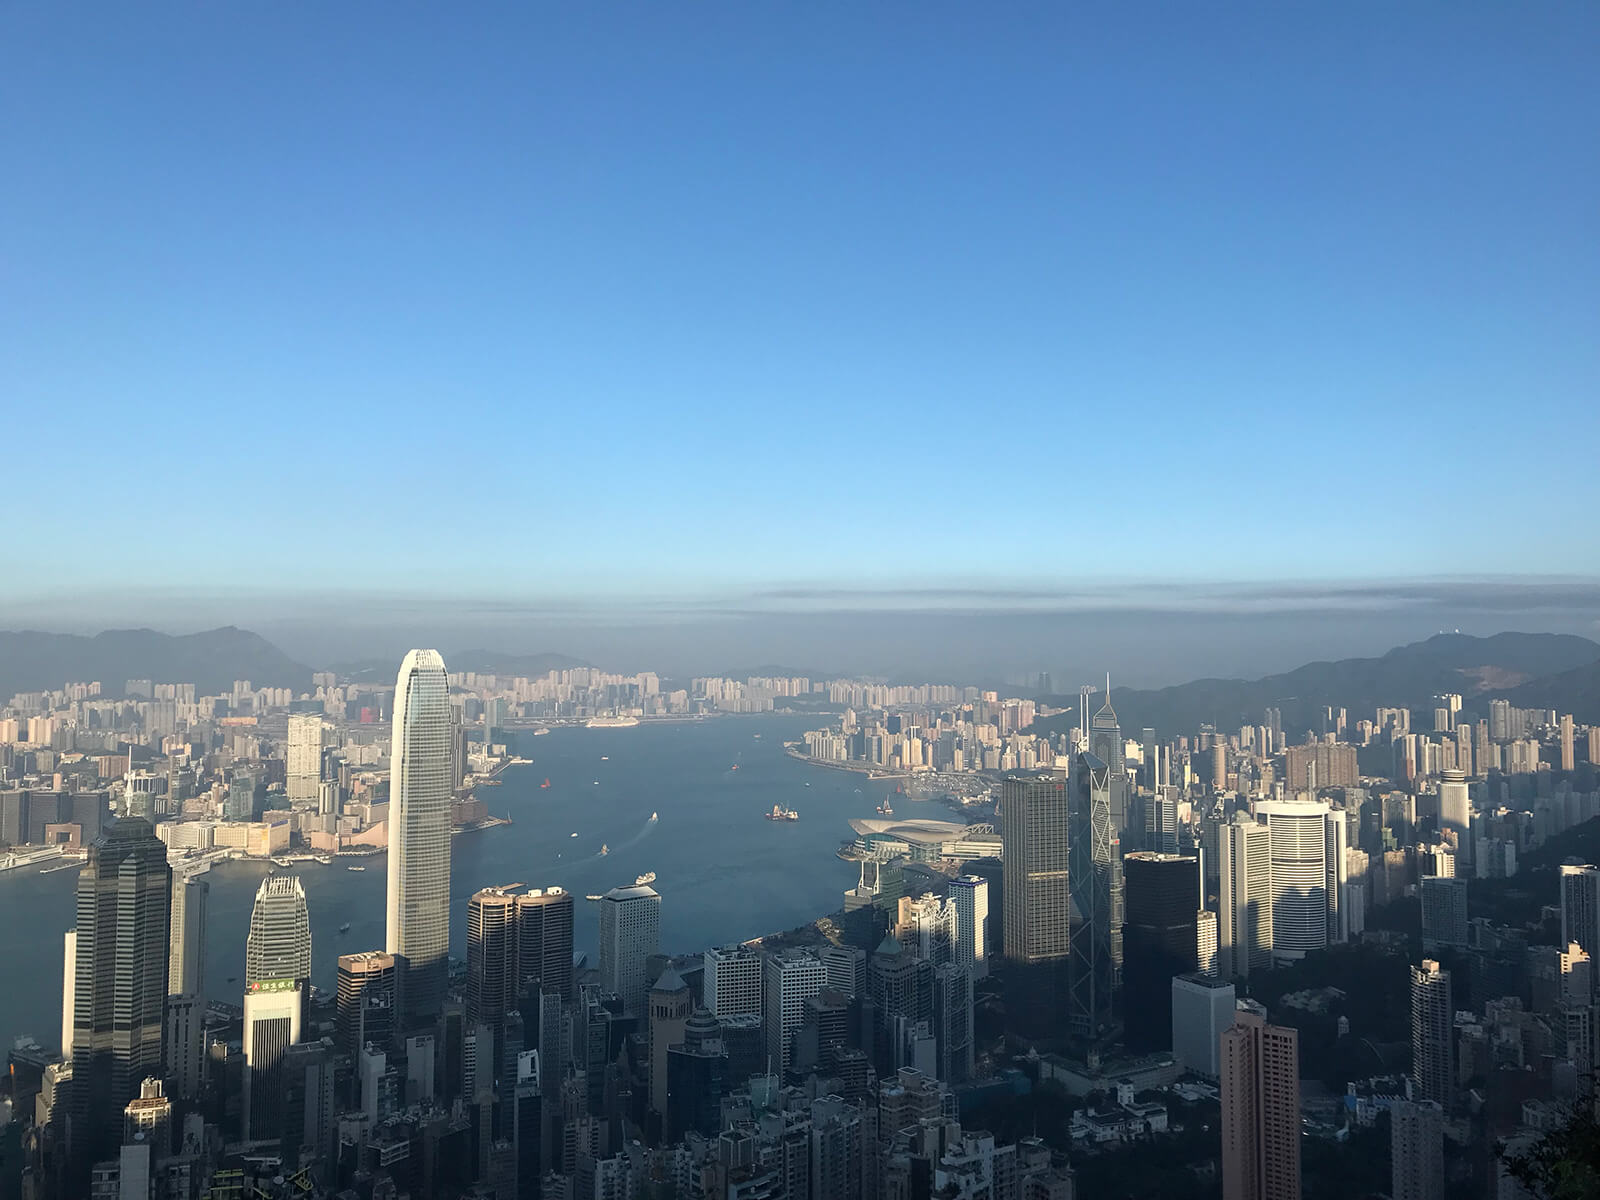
x,y
611,722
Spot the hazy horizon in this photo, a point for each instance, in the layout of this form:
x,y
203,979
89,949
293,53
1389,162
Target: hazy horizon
x,y
1147,634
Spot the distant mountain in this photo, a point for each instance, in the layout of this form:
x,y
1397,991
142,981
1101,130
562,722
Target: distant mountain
x,y
1576,691
31,661
1407,676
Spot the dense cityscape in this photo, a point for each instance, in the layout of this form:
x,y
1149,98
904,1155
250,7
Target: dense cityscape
x,y
1236,953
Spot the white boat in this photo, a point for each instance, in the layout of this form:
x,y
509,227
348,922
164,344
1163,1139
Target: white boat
x,y
355,868
604,849
594,896
655,816
645,880
605,758
574,835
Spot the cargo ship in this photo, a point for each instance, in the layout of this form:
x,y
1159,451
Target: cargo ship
x,y
779,813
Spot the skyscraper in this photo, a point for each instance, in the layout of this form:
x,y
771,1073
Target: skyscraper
x,y
277,993
1244,924
630,932
1260,1076
791,978
970,896
492,970
1416,1150
1432,1025
1202,1007
1033,833
544,942
1299,875
1580,906
670,1006
732,981
120,984
366,1002
184,1051
1569,759
1095,870
419,835
303,756
1444,912
1455,814
1160,940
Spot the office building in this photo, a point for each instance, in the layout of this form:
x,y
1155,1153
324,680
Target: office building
x,y
278,945
1299,874
1432,1017
952,1018
303,755
630,932
670,1006
696,1078
1244,924
1580,906
1202,1008
366,1002
1444,912
791,977
418,917
1096,890
544,942
492,943
1037,900
1416,1150
1260,1083
733,981
1160,940
1207,954
846,967
276,999
120,978
1455,815
274,1011
969,895
186,961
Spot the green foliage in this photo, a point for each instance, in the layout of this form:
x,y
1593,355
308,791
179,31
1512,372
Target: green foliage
x,y
1564,1164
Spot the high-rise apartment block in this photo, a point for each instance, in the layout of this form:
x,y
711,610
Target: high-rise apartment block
x,y
1432,1027
303,755
1260,1084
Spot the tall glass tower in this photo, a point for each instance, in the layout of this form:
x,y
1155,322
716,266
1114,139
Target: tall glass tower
x,y
419,836
119,989
277,982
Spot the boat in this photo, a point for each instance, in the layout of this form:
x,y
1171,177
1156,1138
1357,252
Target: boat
x,y
345,928
886,808
355,868
68,866
574,835
779,813
605,758
645,880
594,896
604,849
597,783
735,767
546,783
655,816
611,722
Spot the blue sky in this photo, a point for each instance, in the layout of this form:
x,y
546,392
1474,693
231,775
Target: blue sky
x,y
610,301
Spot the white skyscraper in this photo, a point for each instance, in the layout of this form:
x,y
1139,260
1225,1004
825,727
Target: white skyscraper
x,y
732,982
970,896
304,758
1455,814
1300,908
1202,1007
630,932
419,835
792,978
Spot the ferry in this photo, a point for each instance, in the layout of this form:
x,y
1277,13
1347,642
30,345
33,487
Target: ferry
x,y
605,758
574,835
779,813
655,816
645,880
355,868
596,896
